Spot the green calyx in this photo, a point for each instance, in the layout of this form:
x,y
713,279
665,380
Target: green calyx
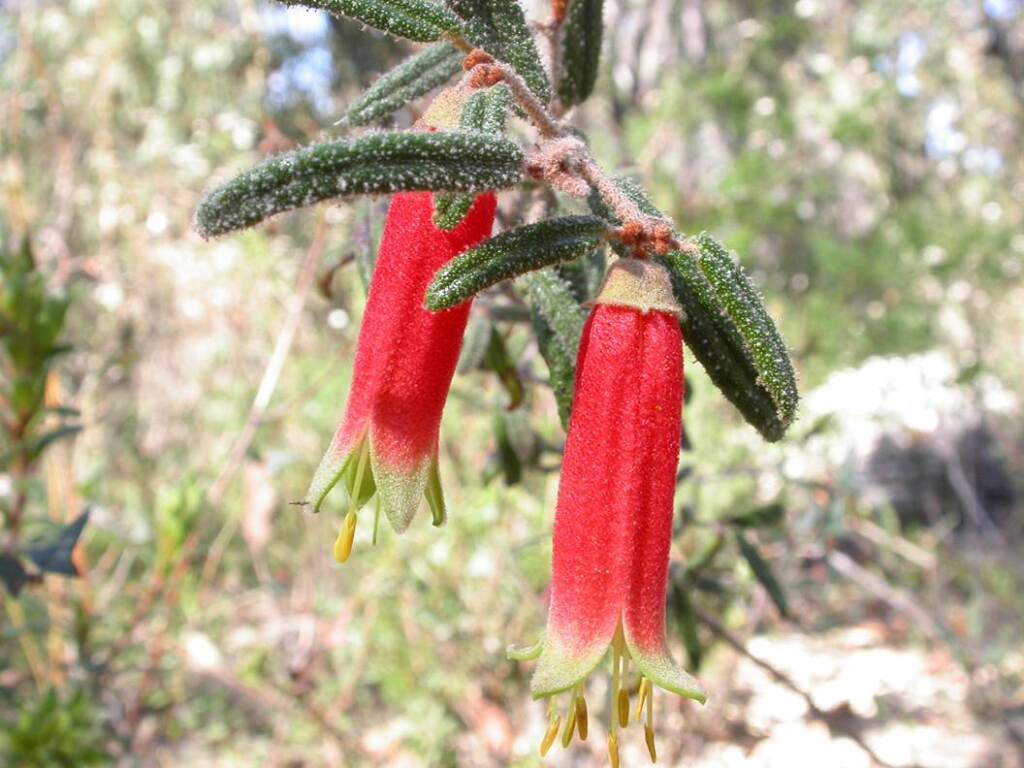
x,y
399,490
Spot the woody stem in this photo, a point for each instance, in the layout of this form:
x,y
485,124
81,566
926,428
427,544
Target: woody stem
x,y
551,128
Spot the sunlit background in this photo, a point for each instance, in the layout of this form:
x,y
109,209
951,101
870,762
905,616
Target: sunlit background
x,y
866,162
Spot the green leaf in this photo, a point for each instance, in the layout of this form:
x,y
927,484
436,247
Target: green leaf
x,y
498,360
762,342
55,557
475,342
485,111
763,573
500,28
376,164
44,441
550,296
727,327
450,210
509,465
419,20
511,254
408,81
716,343
581,50
558,324
758,517
561,366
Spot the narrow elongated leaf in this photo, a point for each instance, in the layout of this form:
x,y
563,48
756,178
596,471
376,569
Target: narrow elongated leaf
x,y
485,112
408,81
550,296
420,20
376,164
761,339
581,50
498,360
758,517
450,209
506,461
561,366
475,341
513,253
487,109
763,573
717,345
500,28
558,324
44,441
727,328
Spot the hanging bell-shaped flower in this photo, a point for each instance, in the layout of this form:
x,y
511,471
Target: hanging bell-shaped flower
x,y
387,442
613,522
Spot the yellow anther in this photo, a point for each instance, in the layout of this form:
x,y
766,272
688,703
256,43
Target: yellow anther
x,y
570,726
613,749
641,697
623,708
581,717
549,735
347,534
649,738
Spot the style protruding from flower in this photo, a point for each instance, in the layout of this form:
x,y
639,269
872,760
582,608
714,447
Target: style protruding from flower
x,y
387,442
613,522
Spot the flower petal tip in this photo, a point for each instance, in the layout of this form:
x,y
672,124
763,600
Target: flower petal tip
x,y
665,673
559,670
402,490
340,463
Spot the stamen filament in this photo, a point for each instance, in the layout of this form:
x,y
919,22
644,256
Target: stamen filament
x,y
570,726
376,520
550,734
649,727
642,694
614,690
613,749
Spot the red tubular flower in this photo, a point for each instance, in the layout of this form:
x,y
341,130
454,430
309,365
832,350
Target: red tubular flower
x,y
405,359
613,523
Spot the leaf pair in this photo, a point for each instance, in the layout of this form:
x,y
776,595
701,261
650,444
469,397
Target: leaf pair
x,y
581,50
